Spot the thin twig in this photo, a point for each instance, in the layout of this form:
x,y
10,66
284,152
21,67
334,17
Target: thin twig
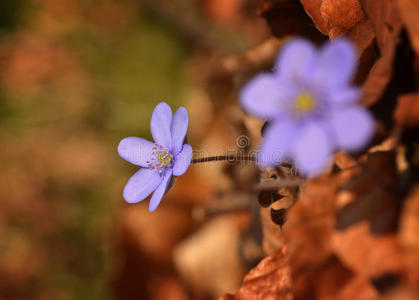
x,y
232,158
275,184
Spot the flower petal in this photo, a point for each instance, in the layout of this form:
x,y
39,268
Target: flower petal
x,y
344,96
182,160
135,150
160,191
353,127
179,127
296,60
336,63
265,96
312,149
161,121
277,143
140,185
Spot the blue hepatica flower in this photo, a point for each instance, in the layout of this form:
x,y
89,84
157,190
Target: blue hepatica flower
x,y
160,161
312,105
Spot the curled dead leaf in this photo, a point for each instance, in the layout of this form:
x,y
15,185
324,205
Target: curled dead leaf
x,y
340,15
269,280
387,25
334,17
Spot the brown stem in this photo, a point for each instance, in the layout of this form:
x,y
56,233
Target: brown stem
x,y
231,158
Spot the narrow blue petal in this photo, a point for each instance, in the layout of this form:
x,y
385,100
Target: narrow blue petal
x,y
336,64
161,121
135,150
353,127
312,149
265,96
182,160
160,191
277,143
296,60
140,185
179,128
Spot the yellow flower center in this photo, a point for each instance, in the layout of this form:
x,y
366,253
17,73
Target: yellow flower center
x,y
160,159
164,158
304,103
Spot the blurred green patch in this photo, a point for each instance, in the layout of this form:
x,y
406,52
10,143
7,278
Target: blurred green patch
x,y
11,13
126,74
134,72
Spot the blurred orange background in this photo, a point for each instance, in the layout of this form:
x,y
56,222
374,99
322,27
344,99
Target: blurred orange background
x,y
75,78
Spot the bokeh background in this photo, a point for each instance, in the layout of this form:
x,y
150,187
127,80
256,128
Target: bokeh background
x,y
78,76
75,78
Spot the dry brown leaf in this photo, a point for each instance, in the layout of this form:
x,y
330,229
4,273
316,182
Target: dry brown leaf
x,y
311,223
407,110
409,12
307,234
322,282
340,15
334,17
387,25
362,34
312,8
288,17
385,20
269,280
329,281
358,288
331,17
374,195
409,237
366,254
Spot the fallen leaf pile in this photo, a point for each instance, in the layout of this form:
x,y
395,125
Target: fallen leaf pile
x,y
353,233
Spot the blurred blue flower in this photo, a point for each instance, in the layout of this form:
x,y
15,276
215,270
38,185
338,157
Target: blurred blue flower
x,y
160,161
312,104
